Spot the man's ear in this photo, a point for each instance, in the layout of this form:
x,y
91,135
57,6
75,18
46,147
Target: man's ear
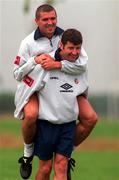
x,y
36,20
61,45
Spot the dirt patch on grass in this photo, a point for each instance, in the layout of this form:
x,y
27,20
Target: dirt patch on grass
x,y
10,141
99,144
6,117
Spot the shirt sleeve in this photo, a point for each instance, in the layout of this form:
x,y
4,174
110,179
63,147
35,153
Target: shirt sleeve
x,y
85,93
23,63
78,67
31,83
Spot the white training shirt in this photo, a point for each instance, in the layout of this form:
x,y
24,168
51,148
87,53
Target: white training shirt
x,y
58,97
35,44
57,94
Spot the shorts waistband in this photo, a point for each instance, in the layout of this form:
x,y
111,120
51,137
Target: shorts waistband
x,y
44,120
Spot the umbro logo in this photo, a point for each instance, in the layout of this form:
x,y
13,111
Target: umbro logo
x,y
66,88
54,77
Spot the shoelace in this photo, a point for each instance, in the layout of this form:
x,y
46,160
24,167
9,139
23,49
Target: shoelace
x,y
71,164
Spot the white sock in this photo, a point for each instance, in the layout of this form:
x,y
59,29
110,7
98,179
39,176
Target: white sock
x,y
28,149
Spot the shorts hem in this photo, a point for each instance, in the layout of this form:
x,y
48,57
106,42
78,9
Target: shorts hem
x,y
61,153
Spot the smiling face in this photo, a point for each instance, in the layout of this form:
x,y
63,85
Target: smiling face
x,y
71,42
70,51
46,22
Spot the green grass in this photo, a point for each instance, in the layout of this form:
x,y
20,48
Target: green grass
x,y
11,126
9,167
108,129
102,129
89,165
96,166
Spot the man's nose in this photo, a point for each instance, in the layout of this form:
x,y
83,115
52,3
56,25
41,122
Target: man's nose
x,y
74,52
50,21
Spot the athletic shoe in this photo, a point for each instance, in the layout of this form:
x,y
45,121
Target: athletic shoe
x,y
71,166
26,166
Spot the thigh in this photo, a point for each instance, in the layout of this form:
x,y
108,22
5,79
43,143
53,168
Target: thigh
x,y
32,107
45,140
85,109
65,141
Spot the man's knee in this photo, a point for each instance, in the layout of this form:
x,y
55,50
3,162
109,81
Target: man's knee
x,y
90,119
31,115
94,118
60,168
44,172
31,110
29,120
87,115
46,169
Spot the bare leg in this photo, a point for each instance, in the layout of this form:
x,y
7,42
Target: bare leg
x,y
29,122
60,167
44,170
28,132
88,119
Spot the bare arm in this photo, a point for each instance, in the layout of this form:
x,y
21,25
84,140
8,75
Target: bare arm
x,y
74,68
47,62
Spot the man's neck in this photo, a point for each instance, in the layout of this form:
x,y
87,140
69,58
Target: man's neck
x,y
62,54
49,36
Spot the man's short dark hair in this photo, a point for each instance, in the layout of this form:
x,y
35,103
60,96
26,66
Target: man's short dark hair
x,y
72,35
44,8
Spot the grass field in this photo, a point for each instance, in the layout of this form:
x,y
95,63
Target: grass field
x,y
96,159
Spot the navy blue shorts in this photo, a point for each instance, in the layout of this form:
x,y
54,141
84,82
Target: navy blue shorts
x,y
54,138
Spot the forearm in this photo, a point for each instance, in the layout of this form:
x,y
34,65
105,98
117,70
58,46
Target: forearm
x,y
50,64
57,65
73,68
20,71
84,95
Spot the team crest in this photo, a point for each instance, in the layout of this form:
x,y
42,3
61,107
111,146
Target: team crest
x,y
17,60
76,81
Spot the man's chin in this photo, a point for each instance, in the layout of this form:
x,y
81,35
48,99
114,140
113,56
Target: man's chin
x,y
50,30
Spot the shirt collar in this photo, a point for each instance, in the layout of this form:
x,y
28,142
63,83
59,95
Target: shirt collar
x,y
57,55
38,34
